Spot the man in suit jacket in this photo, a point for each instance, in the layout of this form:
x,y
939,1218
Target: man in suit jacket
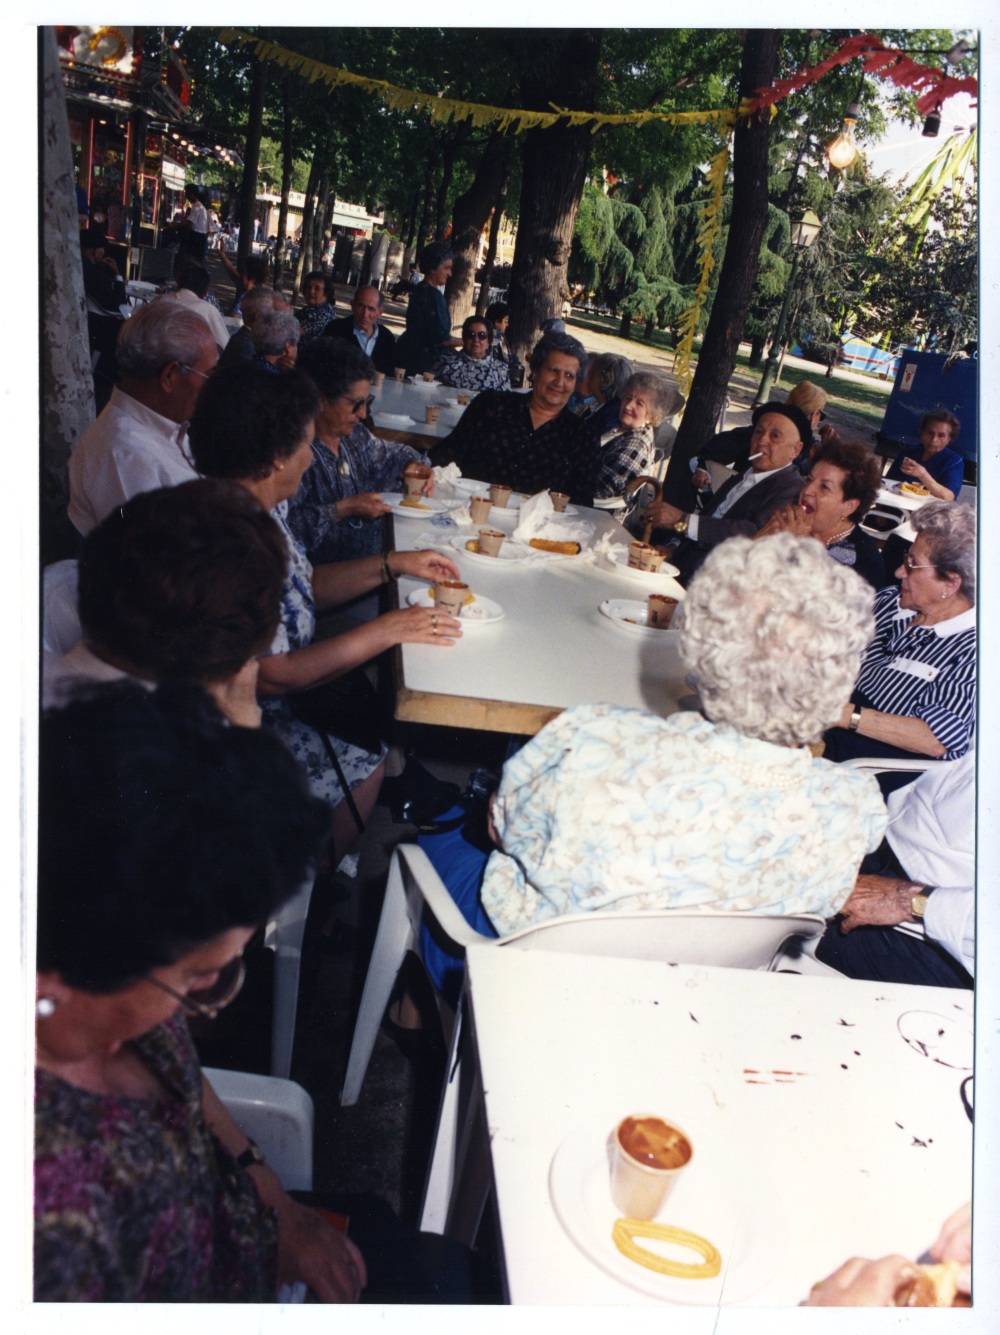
x,y
362,325
746,502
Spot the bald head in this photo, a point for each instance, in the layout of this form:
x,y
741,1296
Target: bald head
x,y
367,307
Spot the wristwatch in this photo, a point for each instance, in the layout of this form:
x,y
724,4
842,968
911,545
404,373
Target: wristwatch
x,y
855,718
918,904
682,524
250,1156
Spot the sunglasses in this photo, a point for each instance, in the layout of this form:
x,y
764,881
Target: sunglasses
x,y
477,334
208,1001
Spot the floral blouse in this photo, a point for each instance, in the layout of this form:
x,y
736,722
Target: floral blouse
x,y
464,372
314,319
614,808
136,1200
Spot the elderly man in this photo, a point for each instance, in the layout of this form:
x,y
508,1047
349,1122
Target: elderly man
x,y
192,288
240,347
747,501
362,325
733,447
138,442
530,441
473,367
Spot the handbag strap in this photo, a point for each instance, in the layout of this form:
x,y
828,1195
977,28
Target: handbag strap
x,y
352,806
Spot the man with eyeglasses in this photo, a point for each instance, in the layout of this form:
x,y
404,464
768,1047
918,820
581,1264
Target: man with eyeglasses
x,y
139,440
473,367
362,325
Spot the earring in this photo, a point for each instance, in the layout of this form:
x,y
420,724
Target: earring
x,y
45,1007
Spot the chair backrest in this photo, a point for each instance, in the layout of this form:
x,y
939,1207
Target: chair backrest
x,y
61,628
675,936
155,265
277,1115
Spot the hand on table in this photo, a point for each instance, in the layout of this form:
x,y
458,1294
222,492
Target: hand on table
x,y
366,505
661,514
954,1243
311,1250
422,625
427,564
861,1283
878,901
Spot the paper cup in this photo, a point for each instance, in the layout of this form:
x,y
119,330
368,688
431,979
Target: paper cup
x,y
398,372
414,477
500,495
649,1156
490,541
463,399
642,556
661,611
378,379
431,413
450,595
559,501
480,507
427,375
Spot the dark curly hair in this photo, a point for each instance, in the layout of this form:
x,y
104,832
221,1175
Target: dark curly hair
x,y
942,415
334,364
557,342
863,471
246,421
159,829
471,320
184,583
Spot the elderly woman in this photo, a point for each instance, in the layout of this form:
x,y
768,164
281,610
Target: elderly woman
x,y
180,584
611,809
336,513
840,490
318,310
530,441
647,400
473,367
606,377
916,692
276,337
932,463
258,430
428,324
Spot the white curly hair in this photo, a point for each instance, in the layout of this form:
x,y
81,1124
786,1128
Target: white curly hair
x,y
774,631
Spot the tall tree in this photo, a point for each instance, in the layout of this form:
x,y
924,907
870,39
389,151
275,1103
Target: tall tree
x,y
739,269
470,215
251,159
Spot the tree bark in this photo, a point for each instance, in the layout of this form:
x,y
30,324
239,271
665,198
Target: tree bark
x,y
469,217
483,299
251,160
287,161
555,167
308,213
448,154
625,328
736,278
757,349
67,387
430,176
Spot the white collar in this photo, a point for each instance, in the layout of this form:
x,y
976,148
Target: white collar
x,y
943,629
771,472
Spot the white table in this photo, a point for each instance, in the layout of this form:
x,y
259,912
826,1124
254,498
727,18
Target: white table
x,y
409,400
864,1153
899,501
553,649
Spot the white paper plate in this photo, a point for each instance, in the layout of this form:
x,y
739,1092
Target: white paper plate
x,y
429,505
629,614
568,513
618,557
481,611
704,1201
430,386
392,419
510,553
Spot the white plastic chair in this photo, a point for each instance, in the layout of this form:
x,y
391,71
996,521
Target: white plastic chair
x,y
61,628
277,1115
738,940
283,935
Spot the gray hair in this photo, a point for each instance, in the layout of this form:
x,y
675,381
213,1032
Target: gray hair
x,y
665,398
258,300
611,373
273,329
775,630
160,333
565,344
950,530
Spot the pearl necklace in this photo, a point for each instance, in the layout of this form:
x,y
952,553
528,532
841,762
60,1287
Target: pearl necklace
x,y
829,542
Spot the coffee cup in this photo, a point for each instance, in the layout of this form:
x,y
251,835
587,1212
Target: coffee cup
x,y
649,1156
378,379
463,398
660,611
450,596
559,501
480,507
427,375
490,541
398,372
414,477
432,412
643,556
500,495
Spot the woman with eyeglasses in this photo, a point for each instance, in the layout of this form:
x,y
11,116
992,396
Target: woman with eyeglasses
x,y
258,430
916,691
166,838
473,368
337,512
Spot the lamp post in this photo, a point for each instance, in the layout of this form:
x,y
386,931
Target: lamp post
x,y
804,231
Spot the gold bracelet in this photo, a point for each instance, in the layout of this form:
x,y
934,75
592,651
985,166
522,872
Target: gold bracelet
x,y
626,1230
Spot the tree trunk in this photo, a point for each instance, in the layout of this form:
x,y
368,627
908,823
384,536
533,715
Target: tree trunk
x,y
469,217
647,333
308,213
430,176
287,161
450,151
555,167
625,328
757,349
67,387
737,275
410,230
251,160
491,245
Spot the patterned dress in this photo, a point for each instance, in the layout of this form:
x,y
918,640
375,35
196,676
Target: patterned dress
x,y
627,455
366,464
137,1201
464,372
314,319
298,625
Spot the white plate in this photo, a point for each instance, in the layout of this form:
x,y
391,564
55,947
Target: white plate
x,y
705,1201
630,615
509,552
618,557
429,505
481,611
392,419
469,487
431,386
568,513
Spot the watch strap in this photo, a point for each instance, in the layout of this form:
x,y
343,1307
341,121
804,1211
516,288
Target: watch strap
x,y
250,1156
918,904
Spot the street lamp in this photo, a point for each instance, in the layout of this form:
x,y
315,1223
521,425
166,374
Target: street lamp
x,y
804,232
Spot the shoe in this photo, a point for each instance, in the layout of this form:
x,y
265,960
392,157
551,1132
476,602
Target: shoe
x,y
416,796
418,1046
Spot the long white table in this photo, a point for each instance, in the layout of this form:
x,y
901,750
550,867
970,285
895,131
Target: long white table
x,y
553,648
815,1123
402,398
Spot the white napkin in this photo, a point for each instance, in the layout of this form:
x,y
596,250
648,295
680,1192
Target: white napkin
x,y
606,543
445,473
536,520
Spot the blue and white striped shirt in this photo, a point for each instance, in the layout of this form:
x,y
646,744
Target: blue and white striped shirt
x,y
925,672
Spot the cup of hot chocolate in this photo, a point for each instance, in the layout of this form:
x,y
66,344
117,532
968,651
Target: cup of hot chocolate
x,y
643,556
427,375
378,379
398,372
463,398
649,1156
500,495
450,596
432,411
415,477
480,507
490,541
559,501
660,611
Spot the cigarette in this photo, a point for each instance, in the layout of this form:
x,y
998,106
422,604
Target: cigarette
x,y
756,456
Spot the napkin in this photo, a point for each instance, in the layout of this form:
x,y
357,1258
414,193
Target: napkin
x,y
536,520
606,543
445,473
